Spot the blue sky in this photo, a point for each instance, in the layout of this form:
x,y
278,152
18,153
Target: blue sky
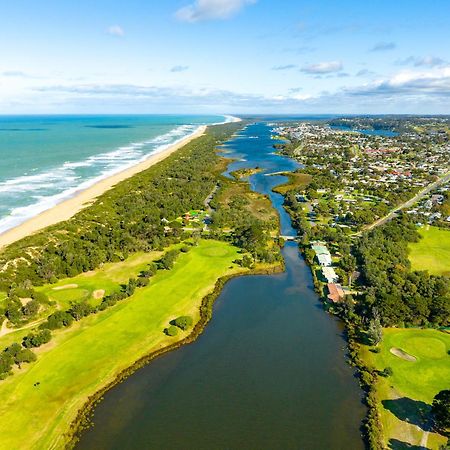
x,y
224,56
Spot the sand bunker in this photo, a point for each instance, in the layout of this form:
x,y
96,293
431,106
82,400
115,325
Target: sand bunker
x,y
26,300
403,355
99,293
66,286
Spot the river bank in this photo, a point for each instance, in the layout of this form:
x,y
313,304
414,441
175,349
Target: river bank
x,y
260,324
83,420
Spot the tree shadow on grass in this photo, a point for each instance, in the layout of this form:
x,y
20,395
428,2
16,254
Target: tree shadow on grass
x,y
412,411
395,444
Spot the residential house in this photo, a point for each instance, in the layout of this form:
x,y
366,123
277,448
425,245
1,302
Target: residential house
x,y
329,274
336,293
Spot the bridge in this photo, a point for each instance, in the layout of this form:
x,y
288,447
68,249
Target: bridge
x,y
289,238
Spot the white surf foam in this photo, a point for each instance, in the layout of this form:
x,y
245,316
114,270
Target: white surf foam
x,y
45,190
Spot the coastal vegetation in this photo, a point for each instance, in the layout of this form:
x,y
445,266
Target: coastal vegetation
x,y
138,215
126,274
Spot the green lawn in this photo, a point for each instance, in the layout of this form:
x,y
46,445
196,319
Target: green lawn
x,y
108,278
413,384
432,252
82,287
82,359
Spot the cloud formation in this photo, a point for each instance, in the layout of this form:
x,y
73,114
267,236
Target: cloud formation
x,y
285,67
429,61
202,10
383,46
176,69
14,73
412,84
322,67
116,30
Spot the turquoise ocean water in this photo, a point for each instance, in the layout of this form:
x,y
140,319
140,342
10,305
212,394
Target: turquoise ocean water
x,y
47,159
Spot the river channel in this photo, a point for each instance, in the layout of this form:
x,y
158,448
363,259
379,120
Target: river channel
x,y
268,372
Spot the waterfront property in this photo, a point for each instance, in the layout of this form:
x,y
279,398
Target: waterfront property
x,y
329,274
335,292
322,254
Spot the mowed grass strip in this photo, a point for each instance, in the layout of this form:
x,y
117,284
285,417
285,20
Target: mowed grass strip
x,y
85,357
417,381
432,252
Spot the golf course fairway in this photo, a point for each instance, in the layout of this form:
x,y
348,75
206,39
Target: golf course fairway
x,y
40,401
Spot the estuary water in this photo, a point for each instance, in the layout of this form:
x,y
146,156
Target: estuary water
x,y
268,372
47,159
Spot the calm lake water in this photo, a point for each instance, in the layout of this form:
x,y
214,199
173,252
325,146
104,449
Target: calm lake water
x,y
269,371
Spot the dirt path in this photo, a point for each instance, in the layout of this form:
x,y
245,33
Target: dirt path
x,y
424,440
5,330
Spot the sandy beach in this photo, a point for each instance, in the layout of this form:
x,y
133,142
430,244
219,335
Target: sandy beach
x,y
68,208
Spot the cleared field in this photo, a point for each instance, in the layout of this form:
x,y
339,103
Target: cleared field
x,y
406,396
85,357
432,252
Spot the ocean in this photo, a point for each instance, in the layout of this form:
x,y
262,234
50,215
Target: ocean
x,y
47,159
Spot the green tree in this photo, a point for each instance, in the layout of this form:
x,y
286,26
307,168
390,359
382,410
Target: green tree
x,y
37,339
183,322
171,331
375,330
441,410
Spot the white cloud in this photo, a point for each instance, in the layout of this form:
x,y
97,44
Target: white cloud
x,y
323,67
383,46
211,10
116,30
176,69
430,61
285,67
433,83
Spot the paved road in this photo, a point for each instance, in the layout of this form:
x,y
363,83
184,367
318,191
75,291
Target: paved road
x,y
408,203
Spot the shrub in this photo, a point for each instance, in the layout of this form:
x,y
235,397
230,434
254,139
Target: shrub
x,y
57,320
171,331
168,260
183,322
31,308
142,282
37,339
39,296
80,310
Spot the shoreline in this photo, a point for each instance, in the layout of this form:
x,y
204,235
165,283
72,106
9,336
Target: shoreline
x,y
85,197
83,420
